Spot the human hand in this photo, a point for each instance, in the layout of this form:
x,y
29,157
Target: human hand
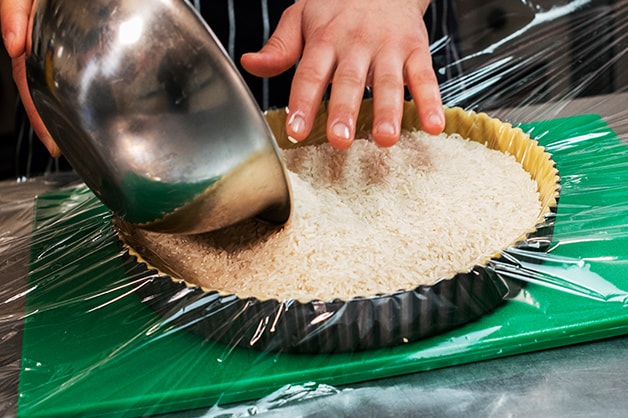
x,y
14,15
352,44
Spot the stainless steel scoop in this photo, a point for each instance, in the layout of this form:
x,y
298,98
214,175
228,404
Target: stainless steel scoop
x,y
152,114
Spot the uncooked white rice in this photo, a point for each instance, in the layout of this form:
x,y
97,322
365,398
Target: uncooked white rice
x,y
367,221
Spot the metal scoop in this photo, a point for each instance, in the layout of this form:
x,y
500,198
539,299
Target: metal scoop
x,y
152,114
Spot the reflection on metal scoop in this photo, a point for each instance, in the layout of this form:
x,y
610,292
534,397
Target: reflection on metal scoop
x,y
151,113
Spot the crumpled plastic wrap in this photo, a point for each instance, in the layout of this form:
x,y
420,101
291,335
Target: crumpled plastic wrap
x,y
80,337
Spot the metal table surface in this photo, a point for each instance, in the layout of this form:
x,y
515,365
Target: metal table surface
x,y
581,380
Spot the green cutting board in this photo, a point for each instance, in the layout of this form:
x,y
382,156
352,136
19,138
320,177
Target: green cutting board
x,y
91,347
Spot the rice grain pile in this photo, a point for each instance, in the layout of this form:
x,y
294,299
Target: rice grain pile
x,y
367,221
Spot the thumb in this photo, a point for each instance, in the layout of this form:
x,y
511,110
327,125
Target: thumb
x,y
19,74
282,50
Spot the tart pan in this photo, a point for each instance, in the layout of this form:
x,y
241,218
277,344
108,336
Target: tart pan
x,y
359,323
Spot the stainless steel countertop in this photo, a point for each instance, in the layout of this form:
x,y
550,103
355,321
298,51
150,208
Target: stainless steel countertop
x,y
581,380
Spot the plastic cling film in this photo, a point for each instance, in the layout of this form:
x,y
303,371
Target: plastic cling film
x,y
80,335
540,51
81,282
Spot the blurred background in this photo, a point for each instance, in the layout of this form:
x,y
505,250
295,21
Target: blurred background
x,y
508,54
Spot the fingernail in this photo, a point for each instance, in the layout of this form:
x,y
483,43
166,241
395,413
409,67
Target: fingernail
x,y
51,146
341,130
297,123
436,119
386,128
